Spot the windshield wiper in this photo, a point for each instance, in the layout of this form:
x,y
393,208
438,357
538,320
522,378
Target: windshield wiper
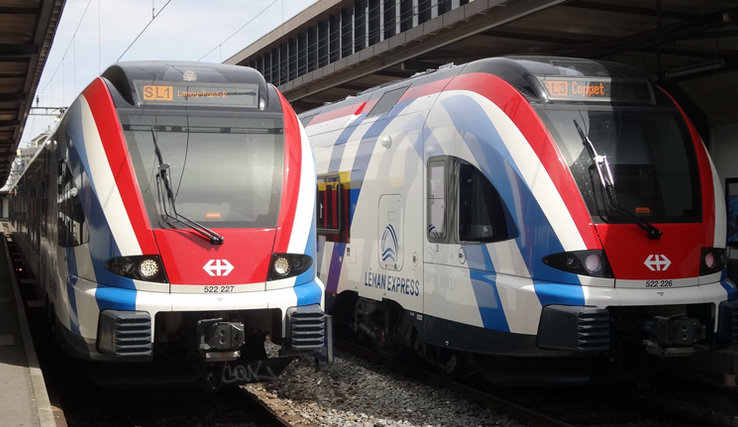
x,y
608,184
163,177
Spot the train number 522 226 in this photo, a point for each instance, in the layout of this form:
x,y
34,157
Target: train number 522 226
x,y
659,283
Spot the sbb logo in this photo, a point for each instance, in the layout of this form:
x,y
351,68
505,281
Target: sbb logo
x,y
218,267
657,262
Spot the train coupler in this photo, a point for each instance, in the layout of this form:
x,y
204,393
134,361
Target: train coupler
x,y
220,341
673,336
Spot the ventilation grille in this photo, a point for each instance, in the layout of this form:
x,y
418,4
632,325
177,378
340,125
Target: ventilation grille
x,y
133,336
307,328
593,330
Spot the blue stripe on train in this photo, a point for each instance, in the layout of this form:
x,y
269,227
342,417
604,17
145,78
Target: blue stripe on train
x,y
484,283
101,245
334,269
358,172
340,145
537,237
306,288
731,290
71,282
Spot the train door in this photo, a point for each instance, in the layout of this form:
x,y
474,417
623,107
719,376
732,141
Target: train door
x,y
447,297
465,218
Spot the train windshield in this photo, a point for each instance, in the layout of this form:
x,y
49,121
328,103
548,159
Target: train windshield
x,y
648,153
225,171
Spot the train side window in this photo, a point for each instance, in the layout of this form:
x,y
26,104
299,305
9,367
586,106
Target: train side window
x,y
332,210
72,224
437,200
482,214
387,101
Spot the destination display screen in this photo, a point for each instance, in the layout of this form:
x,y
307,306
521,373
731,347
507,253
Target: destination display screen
x,y
596,89
184,93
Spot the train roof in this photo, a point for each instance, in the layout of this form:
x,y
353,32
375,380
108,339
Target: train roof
x,y
575,67
123,75
526,74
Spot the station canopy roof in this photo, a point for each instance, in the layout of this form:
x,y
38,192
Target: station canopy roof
x,y
684,44
27,29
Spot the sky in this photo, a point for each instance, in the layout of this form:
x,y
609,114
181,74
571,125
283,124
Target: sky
x,y
93,34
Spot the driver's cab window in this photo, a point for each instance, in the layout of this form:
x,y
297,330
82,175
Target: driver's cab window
x,y
463,205
437,200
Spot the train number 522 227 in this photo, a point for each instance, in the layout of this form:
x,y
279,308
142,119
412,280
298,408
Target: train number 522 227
x,y
218,289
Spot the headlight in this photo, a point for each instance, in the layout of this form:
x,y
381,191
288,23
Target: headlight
x,y
713,261
281,266
587,263
594,263
143,267
288,265
148,268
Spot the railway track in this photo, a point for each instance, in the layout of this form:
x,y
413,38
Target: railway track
x,y
605,405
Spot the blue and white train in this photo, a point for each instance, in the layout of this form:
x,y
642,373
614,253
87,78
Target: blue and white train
x,y
169,218
527,206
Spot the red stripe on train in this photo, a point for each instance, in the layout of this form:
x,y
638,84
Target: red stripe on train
x,y
708,191
526,119
291,180
106,120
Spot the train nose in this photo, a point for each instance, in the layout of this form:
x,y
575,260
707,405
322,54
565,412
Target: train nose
x,y
637,260
240,264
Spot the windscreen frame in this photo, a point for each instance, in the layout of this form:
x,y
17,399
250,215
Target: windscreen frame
x,y
592,193
149,191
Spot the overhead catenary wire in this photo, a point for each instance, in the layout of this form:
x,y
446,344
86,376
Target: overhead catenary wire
x,y
238,30
144,29
68,46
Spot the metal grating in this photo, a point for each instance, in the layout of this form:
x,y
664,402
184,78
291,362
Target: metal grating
x,y
307,327
133,336
593,330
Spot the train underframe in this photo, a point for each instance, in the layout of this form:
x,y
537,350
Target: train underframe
x,y
206,349
573,345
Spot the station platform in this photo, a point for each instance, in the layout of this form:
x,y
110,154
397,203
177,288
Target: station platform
x,y
23,397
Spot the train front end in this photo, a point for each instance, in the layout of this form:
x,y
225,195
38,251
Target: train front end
x,y
191,232
637,258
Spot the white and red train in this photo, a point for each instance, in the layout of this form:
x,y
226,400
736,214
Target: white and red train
x,y
170,217
525,206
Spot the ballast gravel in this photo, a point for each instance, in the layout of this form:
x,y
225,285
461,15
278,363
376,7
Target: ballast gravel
x,y
352,392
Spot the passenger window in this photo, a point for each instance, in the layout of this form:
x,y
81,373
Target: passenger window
x,y
387,101
482,215
437,200
72,224
332,210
